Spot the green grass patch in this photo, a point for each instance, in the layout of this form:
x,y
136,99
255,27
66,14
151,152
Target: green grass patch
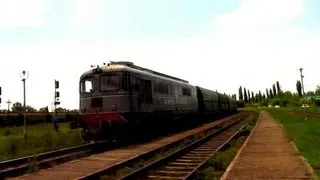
x,y
40,138
304,133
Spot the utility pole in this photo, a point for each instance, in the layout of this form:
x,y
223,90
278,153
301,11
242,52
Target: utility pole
x,y
24,75
301,75
303,94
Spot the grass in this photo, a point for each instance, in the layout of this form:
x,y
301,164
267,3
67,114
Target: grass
x,y
40,138
304,133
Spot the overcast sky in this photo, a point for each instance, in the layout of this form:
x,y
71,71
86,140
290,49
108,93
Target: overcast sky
x,y
212,43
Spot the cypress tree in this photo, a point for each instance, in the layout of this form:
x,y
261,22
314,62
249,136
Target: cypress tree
x,y
240,93
274,90
270,93
260,96
245,95
278,87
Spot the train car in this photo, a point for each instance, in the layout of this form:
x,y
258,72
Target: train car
x,y
212,102
121,95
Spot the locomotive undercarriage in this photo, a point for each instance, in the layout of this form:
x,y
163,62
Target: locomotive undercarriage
x,y
138,126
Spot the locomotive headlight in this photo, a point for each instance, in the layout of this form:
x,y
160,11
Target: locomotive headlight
x,y
113,107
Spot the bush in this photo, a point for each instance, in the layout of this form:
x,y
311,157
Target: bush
x,y
277,101
240,104
264,103
316,102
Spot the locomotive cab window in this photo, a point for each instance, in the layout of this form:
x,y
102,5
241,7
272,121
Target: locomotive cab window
x,y
109,82
86,85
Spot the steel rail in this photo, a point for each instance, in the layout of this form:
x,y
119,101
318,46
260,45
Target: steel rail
x,y
149,154
188,173
17,166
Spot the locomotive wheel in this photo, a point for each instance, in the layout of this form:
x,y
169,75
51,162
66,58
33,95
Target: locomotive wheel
x,y
85,135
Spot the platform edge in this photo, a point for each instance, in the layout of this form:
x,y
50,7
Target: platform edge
x,y
231,165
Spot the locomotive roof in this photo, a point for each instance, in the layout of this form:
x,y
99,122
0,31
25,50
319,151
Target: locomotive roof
x,y
129,67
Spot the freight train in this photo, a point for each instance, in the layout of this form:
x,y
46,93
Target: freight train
x,y
122,95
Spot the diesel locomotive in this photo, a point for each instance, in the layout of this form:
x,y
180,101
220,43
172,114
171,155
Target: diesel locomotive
x,y
122,95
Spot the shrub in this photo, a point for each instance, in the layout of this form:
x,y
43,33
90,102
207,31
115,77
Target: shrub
x,y
240,104
264,103
316,102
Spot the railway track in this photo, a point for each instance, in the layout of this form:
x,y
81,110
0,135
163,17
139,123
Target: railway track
x,y
214,131
111,161
44,160
184,162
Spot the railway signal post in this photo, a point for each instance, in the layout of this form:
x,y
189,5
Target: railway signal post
x,y
24,75
56,102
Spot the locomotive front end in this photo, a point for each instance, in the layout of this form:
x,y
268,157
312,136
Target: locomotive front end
x,y
103,103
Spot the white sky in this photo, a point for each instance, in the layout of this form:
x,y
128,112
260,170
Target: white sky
x,y
253,46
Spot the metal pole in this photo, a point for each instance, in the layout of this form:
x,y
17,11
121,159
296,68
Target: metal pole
x,y
302,81
55,125
303,94
55,106
8,102
24,108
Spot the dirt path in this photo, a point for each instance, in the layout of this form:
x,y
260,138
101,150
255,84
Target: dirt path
x,y
268,154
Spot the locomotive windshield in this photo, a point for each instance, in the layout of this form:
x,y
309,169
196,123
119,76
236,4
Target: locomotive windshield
x,y
86,85
109,82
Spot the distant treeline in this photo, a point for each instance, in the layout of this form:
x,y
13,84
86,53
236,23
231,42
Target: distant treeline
x,y
17,119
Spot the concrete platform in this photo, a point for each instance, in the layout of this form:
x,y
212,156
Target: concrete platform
x,y
268,154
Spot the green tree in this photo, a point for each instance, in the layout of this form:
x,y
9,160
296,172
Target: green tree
x,y
318,90
44,109
260,96
245,95
60,109
299,88
234,96
249,98
270,93
252,97
278,87
30,109
268,96
240,93
74,111
17,107
274,92
310,94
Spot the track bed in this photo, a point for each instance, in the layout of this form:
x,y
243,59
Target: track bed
x,y
96,165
